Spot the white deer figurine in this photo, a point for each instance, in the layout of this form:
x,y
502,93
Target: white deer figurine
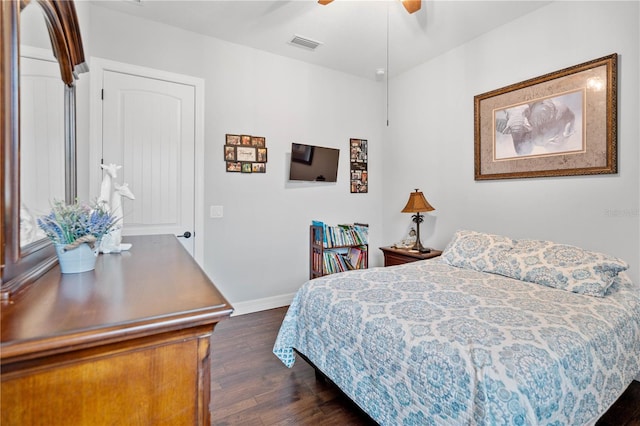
x,y
112,242
106,187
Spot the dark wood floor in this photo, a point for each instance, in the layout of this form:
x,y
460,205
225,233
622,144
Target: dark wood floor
x,y
250,386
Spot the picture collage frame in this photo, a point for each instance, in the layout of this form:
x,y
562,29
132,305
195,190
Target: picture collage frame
x,y
359,175
245,153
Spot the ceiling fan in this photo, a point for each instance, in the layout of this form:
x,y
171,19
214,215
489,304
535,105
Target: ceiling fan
x,y
410,5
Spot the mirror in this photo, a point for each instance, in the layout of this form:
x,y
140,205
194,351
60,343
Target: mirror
x,y
26,259
42,148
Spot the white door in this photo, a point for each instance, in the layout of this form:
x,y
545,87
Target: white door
x,y
148,127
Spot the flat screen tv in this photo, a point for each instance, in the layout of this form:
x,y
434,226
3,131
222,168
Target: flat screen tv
x,y
313,163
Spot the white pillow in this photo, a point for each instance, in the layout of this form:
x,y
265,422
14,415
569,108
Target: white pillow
x,y
477,250
546,263
563,266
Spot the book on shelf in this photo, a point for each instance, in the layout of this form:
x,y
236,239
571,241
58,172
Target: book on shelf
x,y
356,257
342,235
338,248
345,259
318,224
335,261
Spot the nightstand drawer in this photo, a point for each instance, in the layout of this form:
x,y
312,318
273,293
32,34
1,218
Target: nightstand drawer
x,y
394,256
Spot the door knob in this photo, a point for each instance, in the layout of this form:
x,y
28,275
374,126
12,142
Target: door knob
x,y
186,234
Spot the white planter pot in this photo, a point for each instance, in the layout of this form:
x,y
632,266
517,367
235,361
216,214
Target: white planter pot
x,y
80,259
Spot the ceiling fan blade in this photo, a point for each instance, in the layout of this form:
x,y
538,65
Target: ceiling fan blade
x,y
411,5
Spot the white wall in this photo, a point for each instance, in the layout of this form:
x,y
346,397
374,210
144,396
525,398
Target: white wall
x,y
259,249
430,144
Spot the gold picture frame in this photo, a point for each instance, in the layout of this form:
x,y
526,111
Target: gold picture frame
x,y
560,124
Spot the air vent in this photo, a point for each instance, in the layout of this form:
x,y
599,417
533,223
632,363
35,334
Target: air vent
x,y
307,43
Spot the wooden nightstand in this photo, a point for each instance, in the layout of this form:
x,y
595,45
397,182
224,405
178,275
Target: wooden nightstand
x,y
395,256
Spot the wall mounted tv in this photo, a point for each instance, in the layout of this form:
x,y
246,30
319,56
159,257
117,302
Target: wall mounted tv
x,y
313,163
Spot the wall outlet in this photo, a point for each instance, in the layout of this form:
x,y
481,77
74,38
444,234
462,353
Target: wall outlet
x,y
216,212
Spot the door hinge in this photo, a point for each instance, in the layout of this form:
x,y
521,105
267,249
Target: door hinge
x,y
102,94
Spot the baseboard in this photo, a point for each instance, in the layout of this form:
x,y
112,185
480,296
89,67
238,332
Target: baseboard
x,y
256,305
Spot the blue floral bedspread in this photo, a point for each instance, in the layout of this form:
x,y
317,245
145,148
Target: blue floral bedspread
x,y
428,343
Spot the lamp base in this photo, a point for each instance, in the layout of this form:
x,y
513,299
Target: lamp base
x,y
418,219
420,248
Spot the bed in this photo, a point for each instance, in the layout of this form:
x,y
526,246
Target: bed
x,y
495,331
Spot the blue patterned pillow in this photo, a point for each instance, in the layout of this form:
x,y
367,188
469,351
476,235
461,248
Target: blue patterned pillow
x,y
478,251
563,266
621,281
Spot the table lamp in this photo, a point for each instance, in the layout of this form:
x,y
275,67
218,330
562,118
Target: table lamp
x,y
417,204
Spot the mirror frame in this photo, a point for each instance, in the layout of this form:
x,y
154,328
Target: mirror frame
x,y
23,265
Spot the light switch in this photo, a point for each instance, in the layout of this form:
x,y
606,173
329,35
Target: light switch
x,y
215,211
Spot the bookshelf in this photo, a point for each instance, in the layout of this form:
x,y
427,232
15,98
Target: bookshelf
x,y
337,248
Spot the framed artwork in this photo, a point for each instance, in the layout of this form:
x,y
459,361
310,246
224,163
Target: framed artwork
x,y
358,157
258,168
301,153
234,166
262,155
246,153
559,124
232,139
229,153
258,141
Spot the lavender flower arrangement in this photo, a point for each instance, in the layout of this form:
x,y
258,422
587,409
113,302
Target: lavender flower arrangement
x,y
73,224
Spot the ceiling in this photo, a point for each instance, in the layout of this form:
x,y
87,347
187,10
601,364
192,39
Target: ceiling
x,y
353,33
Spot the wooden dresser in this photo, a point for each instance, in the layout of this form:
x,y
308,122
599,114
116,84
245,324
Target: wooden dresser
x,y
126,344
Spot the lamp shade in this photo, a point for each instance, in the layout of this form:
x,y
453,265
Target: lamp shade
x,y
417,203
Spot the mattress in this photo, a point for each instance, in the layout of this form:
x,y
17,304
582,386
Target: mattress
x,y
430,343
